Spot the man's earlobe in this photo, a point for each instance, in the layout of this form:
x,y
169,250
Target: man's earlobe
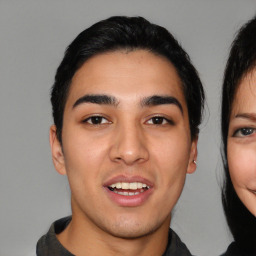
x,y
57,153
193,156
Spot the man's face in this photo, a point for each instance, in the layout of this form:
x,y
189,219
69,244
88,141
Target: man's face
x,y
126,142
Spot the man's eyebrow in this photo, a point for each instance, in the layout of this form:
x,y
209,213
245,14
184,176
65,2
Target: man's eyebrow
x,y
101,99
161,100
250,116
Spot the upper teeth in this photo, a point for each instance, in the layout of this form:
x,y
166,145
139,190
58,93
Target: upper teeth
x,y
127,185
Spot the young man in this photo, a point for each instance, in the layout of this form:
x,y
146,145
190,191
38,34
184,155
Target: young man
x,y
127,104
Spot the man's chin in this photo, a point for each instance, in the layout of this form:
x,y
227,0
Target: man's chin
x,y
133,227
131,232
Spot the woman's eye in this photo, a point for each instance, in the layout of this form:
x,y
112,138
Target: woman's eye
x,y
244,132
158,120
96,120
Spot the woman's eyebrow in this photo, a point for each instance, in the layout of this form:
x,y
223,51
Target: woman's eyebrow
x,y
250,116
101,99
161,100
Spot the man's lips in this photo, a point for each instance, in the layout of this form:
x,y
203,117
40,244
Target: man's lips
x,y
252,190
124,180
128,191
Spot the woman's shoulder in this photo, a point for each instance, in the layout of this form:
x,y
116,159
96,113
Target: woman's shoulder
x,y
233,250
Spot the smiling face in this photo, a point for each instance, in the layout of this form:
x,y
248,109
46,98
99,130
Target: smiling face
x,y
241,150
126,143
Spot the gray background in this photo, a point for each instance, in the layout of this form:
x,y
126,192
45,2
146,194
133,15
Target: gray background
x,y
33,37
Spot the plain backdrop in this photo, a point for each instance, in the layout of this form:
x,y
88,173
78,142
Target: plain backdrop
x,y
33,37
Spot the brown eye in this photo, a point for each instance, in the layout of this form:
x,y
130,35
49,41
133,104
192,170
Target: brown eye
x,y
96,120
159,120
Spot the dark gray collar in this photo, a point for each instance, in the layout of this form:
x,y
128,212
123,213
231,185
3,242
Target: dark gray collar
x,y
50,245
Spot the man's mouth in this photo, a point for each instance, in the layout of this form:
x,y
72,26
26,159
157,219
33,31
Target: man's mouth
x,y
128,188
253,191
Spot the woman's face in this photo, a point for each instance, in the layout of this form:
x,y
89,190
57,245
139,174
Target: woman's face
x,y
241,150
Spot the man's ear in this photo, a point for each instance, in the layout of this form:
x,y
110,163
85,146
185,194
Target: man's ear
x,y
193,156
57,153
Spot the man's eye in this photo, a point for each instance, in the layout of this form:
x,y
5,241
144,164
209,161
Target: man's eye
x,y
159,120
96,120
243,132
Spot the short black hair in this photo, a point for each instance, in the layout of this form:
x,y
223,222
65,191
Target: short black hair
x,y
241,61
127,33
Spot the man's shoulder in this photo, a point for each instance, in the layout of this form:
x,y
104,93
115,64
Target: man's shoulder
x,y
175,246
48,244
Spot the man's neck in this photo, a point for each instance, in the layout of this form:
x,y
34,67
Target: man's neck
x,y
80,239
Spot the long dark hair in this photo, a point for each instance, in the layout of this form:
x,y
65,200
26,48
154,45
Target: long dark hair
x,y
241,61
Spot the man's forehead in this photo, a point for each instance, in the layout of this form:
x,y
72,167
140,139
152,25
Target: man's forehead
x,y
117,75
140,60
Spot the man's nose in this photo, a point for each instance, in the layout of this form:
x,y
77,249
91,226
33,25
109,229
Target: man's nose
x,y
129,145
